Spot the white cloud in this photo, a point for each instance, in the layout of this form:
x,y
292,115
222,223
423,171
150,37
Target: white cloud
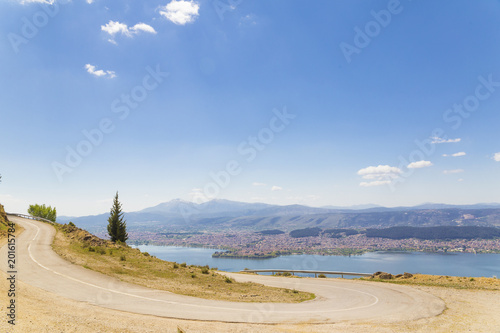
x,y
461,180
113,28
276,188
419,164
496,157
91,69
381,172
180,12
143,27
375,183
456,154
258,184
449,172
436,139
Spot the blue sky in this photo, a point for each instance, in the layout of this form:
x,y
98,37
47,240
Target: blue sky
x,y
317,102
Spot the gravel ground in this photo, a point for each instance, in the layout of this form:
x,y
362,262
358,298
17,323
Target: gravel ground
x,y
41,311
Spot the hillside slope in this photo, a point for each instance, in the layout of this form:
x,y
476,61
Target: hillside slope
x,y
3,222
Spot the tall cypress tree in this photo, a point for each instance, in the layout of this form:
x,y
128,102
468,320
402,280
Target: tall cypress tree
x,y
117,226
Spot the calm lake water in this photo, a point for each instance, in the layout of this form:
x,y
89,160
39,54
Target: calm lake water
x,y
456,264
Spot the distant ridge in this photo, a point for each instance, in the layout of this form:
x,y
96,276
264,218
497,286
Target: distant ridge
x,y
221,213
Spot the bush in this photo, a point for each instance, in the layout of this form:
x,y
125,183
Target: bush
x,y
287,274
204,270
71,224
183,264
100,250
146,254
91,249
175,266
123,258
323,276
193,275
43,211
228,280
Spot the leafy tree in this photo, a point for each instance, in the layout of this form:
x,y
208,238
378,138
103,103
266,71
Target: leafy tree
x,y
117,227
43,211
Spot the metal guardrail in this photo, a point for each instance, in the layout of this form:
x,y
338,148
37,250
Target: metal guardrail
x,y
304,271
31,217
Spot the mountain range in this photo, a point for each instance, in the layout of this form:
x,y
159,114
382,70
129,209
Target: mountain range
x,y
225,214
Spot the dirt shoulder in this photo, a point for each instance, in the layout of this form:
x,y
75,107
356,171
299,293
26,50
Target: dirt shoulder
x,y
41,311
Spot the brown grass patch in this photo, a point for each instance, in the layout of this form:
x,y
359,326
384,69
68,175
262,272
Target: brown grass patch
x,y
133,266
457,282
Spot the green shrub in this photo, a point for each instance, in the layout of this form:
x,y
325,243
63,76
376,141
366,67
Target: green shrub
x,y
146,254
322,276
123,258
183,264
193,275
228,280
91,249
71,224
204,270
287,274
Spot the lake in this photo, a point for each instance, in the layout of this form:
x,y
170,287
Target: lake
x,y
456,264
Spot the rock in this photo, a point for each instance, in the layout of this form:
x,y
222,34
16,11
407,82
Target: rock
x,y
386,276
382,275
398,276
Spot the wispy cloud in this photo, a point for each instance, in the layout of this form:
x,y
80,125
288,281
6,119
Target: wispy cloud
x,y
276,188
380,172
248,20
375,183
456,154
453,171
91,69
49,2
436,139
197,195
180,12
381,175
258,184
113,28
496,157
419,164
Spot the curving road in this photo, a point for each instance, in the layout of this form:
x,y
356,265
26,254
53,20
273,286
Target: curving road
x,y
336,300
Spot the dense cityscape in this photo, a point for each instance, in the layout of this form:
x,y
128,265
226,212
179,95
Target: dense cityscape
x,y
251,244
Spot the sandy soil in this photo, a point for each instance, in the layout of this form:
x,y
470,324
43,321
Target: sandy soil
x,y
40,311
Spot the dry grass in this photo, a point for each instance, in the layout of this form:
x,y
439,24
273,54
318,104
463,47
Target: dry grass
x,y
457,282
133,266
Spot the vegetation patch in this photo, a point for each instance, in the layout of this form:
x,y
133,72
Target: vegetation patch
x,y
3,223
132,266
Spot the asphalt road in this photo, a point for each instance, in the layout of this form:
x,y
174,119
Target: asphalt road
x,y
337,299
